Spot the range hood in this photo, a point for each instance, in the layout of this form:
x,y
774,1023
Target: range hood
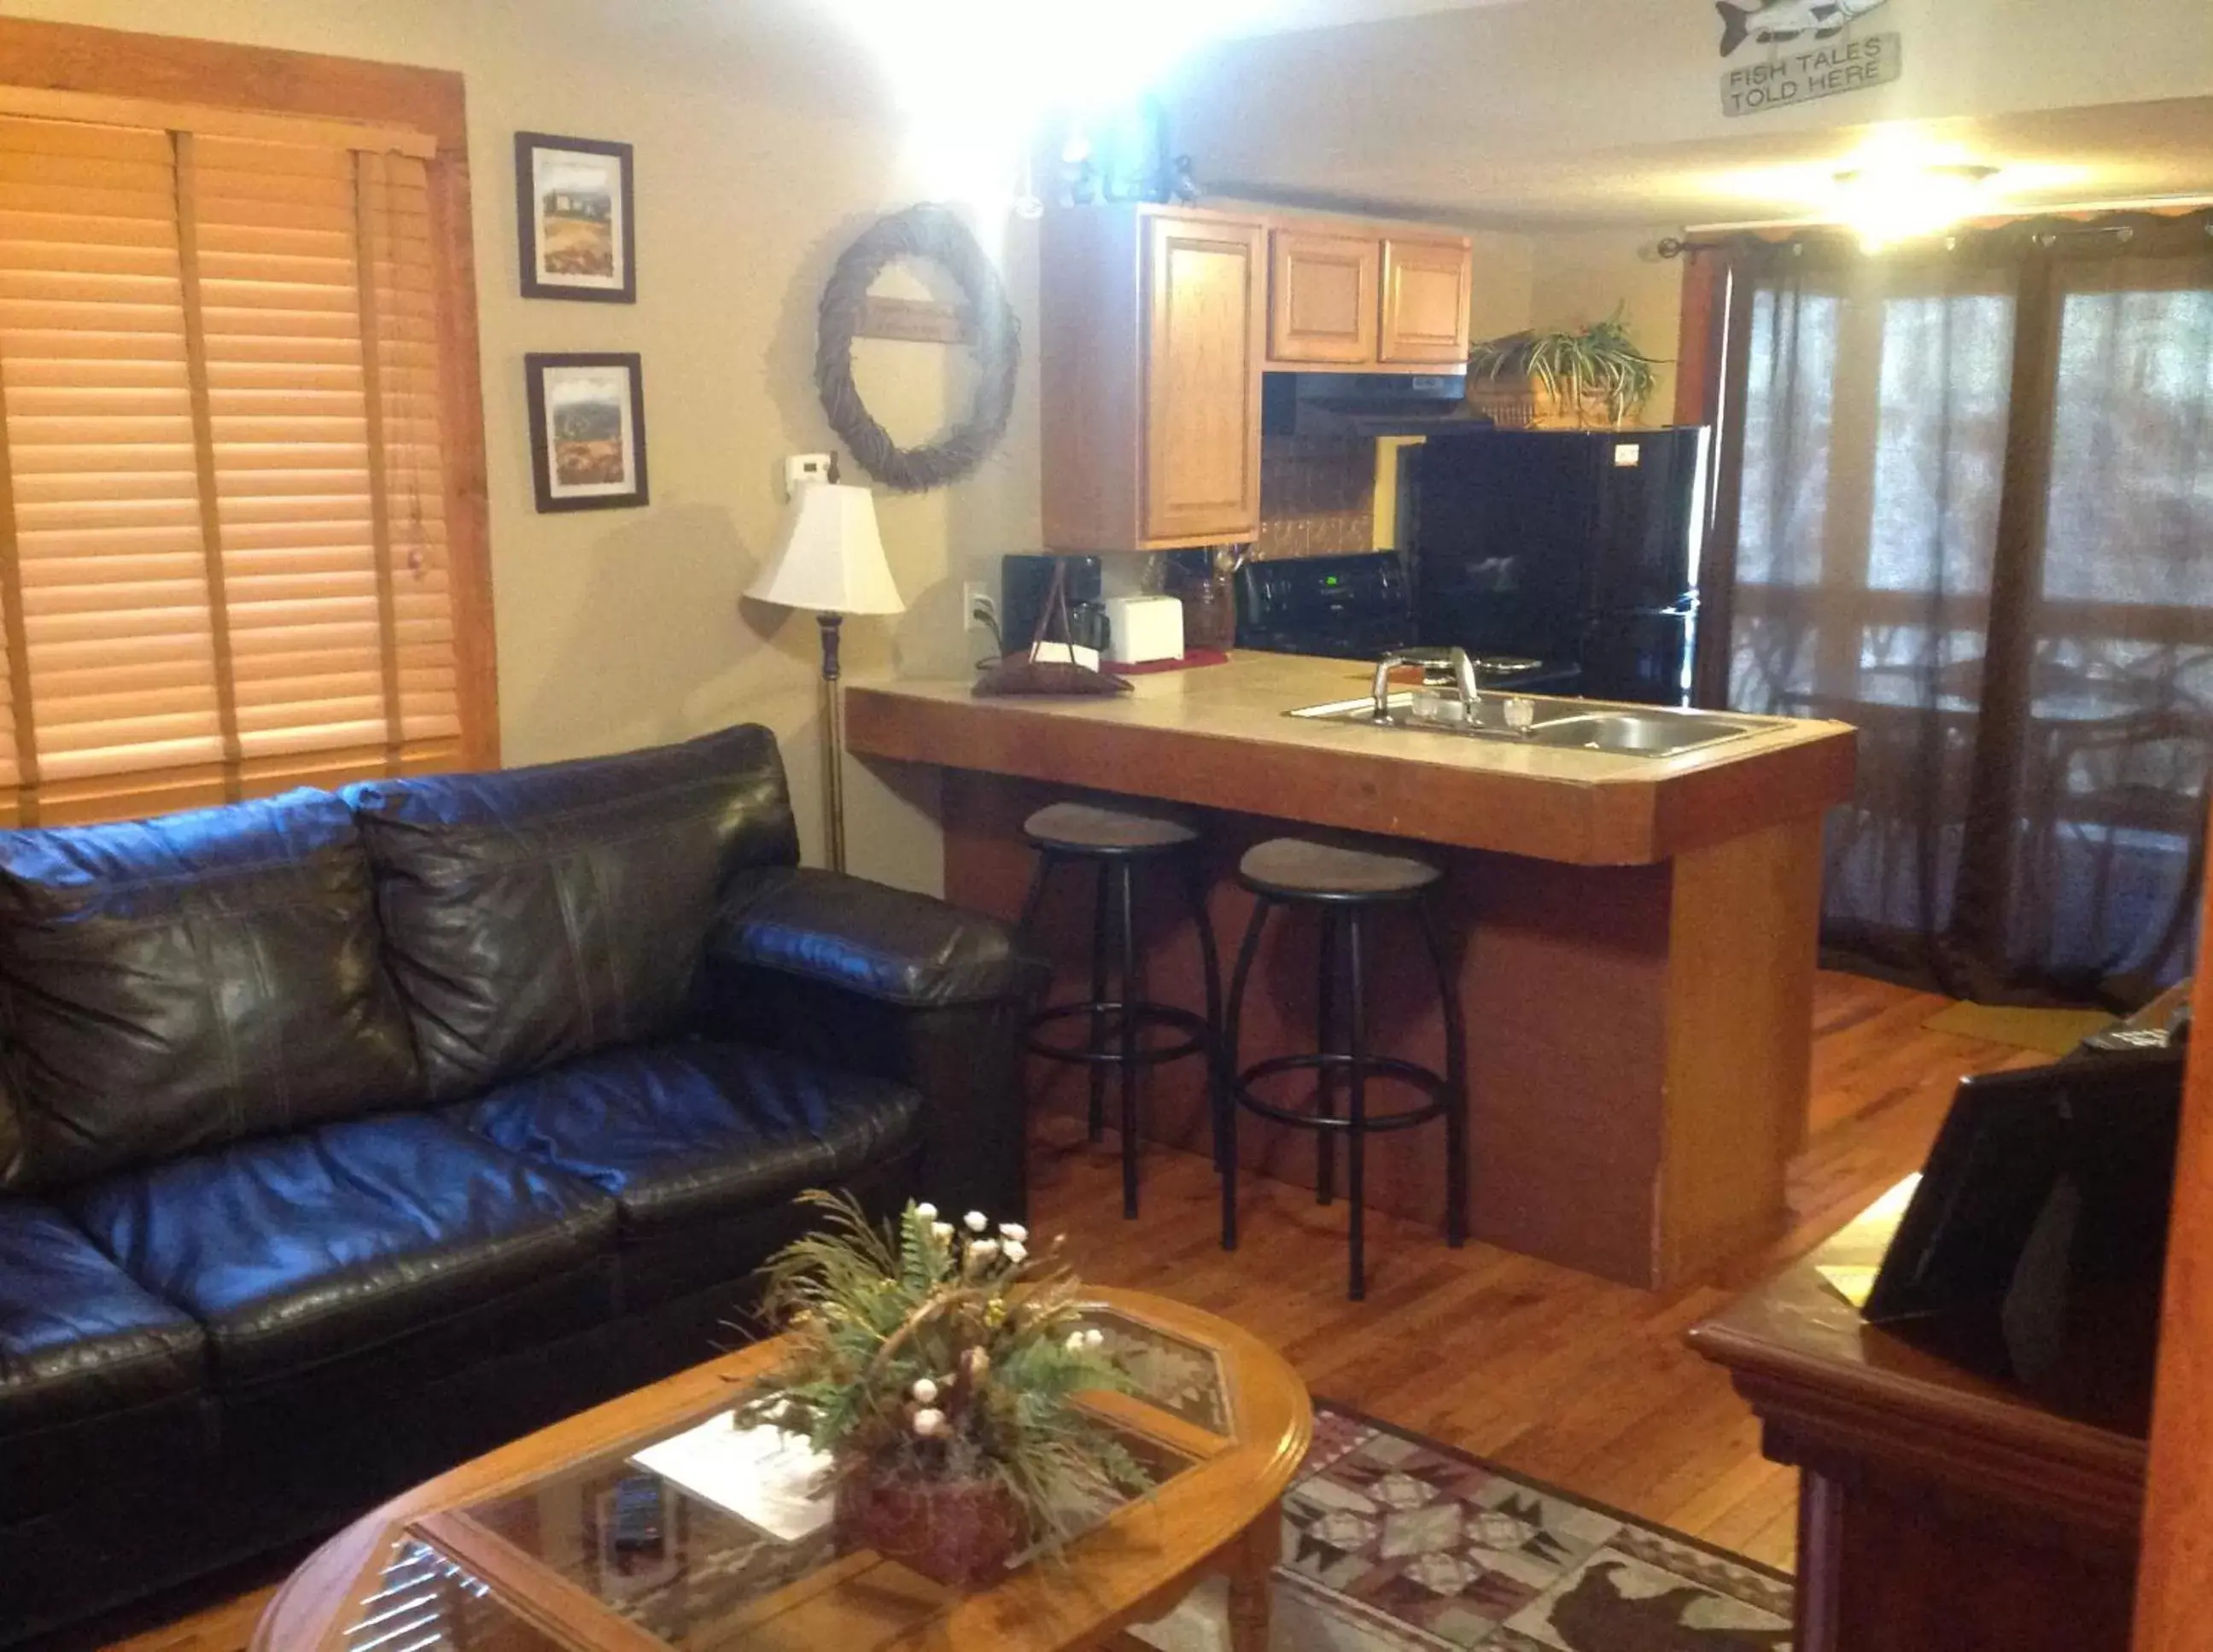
x,y
1365,404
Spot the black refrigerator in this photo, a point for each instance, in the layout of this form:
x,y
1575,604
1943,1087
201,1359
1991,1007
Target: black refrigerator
x,y
1575,548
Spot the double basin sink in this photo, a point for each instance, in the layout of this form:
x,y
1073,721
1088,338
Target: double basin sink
x,y
1539,720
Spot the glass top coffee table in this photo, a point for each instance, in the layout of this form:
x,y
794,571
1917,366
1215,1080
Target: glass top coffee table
x,y
572,1540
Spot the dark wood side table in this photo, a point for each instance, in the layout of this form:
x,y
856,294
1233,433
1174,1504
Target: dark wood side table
x,y
1939,1510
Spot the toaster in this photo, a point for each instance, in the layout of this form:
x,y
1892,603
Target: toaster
x,y
1140,628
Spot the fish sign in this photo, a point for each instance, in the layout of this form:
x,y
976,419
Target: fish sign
x,y
1810,52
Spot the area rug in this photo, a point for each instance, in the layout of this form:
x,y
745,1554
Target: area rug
x,y
1393,1543
2054,1032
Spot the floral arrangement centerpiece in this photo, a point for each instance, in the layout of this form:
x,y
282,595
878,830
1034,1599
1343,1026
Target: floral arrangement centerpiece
x,y
936,1366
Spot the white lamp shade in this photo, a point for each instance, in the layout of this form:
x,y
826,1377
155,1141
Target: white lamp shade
x,y
831,557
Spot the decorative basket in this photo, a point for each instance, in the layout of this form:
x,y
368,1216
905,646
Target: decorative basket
x,y
1525,405
959,1533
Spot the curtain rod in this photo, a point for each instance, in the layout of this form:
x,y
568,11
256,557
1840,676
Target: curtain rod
x,y
1787,228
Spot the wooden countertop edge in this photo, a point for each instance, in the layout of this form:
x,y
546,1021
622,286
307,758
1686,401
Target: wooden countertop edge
x,y
1619,822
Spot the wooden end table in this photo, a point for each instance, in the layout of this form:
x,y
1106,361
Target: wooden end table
x,y
517,1551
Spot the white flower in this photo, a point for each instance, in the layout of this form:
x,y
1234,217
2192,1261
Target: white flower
x,y
928,1422
977,1221
983,1250
1015,1231
927,1212
1014,1251
924,1392
1074,1345
941,1231
1095,1339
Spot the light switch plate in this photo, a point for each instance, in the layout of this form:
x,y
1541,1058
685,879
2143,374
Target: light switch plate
x,y
803,468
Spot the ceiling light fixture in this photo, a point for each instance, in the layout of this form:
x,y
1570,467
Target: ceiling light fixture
x,y
1887,202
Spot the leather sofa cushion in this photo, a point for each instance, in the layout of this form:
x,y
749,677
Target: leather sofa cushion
x,y
864,937
689,1131
307,1249
535,915
172,984
77,1336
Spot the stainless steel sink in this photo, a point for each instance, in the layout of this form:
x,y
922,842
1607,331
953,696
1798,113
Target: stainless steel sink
x,y
1442,715
1558,724
1638,733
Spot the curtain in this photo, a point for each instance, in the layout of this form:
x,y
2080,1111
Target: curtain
x,y
1968,508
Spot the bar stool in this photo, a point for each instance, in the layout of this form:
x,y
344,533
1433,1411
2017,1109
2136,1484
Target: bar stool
x,y
1345,885
1116,841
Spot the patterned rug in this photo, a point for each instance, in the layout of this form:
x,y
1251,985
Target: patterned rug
x,y
1393,1543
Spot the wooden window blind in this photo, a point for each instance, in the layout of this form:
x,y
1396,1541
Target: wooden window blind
x,y
223,555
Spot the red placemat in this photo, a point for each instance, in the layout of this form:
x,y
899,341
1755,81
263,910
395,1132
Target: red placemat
x,y
1196,657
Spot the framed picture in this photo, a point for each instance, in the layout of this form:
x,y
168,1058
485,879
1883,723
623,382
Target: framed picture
x,y
574,220
586,432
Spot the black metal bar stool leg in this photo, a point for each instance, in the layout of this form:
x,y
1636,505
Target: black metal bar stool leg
x,y
1455,1087
1225,1149
1194,884
1100,941
1126,967
1356,1151
1325,1074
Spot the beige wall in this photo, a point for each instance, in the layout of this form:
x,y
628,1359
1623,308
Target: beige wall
x,y
1578,277
763,146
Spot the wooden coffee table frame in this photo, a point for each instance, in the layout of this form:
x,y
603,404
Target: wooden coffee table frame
x,y
1220,1515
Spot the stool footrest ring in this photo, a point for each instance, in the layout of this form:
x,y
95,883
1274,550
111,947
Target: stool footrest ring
x,y
1201,1041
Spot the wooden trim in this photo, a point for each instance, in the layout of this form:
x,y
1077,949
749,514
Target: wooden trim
x,y
2174,1586
177,71
211,505
461,437
380,498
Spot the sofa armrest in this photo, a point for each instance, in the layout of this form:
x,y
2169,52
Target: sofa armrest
x,y
885,944
858,975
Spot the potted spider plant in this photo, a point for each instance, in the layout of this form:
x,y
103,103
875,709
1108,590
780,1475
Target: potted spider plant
x,y
937,1365
1563,378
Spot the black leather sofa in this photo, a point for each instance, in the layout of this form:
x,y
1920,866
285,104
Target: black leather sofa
x,y
345,1135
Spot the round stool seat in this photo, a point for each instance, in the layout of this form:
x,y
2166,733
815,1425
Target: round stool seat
x,y
1294,869
1092,829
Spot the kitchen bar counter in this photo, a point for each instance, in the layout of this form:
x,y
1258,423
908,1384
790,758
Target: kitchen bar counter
x,y
1217,736
1636,935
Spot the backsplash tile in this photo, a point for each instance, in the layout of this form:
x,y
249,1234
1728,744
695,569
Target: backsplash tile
x,y
1317,497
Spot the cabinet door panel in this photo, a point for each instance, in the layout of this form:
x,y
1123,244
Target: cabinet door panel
x,y
1322,305
1203,381
1425,299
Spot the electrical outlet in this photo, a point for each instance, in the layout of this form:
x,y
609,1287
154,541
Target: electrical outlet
x,y
978,599
801,468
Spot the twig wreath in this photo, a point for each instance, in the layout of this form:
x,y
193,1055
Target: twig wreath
x,y
934,234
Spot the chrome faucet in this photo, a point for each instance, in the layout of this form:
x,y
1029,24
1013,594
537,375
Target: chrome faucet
x,y
1519,714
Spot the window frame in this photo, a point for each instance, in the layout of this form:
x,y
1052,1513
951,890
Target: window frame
x,y
76,58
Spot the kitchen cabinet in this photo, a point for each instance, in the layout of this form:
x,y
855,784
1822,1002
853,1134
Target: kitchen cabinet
x,y
1150,345
1322,302
1425,301
1156,326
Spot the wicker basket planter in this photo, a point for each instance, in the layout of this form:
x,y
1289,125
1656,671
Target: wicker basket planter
x,y
1525,405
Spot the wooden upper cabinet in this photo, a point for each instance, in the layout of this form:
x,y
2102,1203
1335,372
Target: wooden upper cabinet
x,y
1322,305
1426,290
1152,324
1203,302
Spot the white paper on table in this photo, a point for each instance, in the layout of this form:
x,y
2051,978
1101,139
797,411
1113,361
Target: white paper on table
x,y
763,1474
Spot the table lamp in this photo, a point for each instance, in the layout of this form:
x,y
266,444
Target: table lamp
x,y
831,558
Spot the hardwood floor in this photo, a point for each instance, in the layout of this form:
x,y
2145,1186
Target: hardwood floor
x,y
1553,1374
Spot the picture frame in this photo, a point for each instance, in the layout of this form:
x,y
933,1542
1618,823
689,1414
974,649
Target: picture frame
x,y
575,225
587,430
